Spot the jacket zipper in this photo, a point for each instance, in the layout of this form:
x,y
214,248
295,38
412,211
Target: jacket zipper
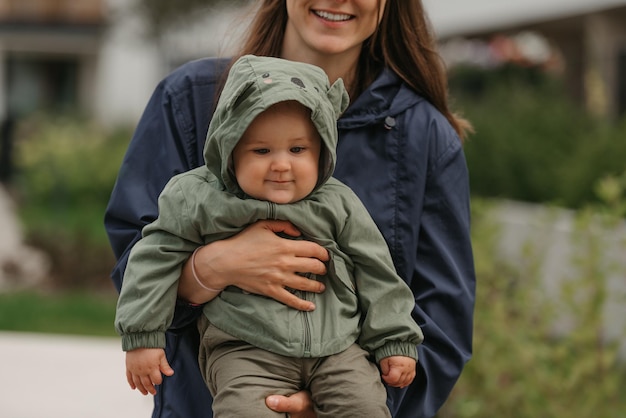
x,y
271,210
306,325
306,320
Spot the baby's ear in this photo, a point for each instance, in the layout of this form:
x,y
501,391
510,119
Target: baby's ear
x,y
338,96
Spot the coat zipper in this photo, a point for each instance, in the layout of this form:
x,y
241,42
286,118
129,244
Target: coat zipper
x,y
306,320
306,325
271,210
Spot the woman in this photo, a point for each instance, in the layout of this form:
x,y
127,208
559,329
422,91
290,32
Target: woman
x,y
400,150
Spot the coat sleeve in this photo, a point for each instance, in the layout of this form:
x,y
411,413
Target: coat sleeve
x,y
386,302
168,140
441,276
147,299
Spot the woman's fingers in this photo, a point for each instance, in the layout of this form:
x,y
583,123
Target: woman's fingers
x,y
280,226
298,405
293,301
296,248
259,261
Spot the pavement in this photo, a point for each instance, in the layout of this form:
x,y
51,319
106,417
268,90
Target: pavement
x,y
56,376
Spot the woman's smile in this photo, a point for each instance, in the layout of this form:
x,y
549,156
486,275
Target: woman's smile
x,y
332,17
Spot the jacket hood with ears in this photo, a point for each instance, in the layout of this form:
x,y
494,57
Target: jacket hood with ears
x,y
256,83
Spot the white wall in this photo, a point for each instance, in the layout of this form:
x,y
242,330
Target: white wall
x,y
131,65
128,68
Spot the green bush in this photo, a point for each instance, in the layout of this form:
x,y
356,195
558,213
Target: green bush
x,y
65,171
65,163
524,366
532,143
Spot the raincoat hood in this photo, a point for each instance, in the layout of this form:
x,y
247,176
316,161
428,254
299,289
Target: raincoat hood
x,y
256,83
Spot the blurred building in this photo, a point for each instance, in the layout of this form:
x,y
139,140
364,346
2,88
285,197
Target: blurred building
x,y
48,54
94,56
587,37
89,57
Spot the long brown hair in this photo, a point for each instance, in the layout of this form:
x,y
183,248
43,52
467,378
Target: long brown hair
x,y
403,42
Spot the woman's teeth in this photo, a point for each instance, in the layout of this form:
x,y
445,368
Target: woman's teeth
x,y
333,17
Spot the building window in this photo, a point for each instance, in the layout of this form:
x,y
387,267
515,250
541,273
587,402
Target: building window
x,y
41,82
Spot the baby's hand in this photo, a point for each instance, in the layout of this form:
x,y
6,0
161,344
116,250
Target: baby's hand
x,y
398,371
144,367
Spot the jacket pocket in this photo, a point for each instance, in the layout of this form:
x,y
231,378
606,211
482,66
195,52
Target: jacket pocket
x,y
337,270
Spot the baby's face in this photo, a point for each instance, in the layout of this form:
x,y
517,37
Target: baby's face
x,y
277,158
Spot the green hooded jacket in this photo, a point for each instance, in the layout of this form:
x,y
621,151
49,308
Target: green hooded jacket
x,y
365,301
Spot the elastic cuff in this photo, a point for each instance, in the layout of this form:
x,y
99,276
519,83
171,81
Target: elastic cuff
x,y
143,340
404,349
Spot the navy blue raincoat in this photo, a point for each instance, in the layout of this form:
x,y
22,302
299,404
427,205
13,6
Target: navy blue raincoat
x,y
400,156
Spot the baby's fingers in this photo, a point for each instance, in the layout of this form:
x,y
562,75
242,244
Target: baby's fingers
x,y
399,378
165,368
393,377
405,379
130,380
142,383
138,383
146,385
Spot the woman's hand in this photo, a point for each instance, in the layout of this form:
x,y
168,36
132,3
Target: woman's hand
x,y
298,405
258,261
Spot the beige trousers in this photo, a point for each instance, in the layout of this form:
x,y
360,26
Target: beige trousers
x,y
240,376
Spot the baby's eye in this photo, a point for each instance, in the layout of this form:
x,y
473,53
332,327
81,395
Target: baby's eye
x,y
261,151
297,150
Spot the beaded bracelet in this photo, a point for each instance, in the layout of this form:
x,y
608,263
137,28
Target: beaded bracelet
x,y
195,274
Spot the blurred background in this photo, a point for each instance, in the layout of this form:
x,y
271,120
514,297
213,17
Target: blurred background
x,y
544,83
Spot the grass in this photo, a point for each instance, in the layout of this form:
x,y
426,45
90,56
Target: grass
x,y
78,313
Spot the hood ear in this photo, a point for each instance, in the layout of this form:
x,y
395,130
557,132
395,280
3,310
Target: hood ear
x,y
236,95
338,96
